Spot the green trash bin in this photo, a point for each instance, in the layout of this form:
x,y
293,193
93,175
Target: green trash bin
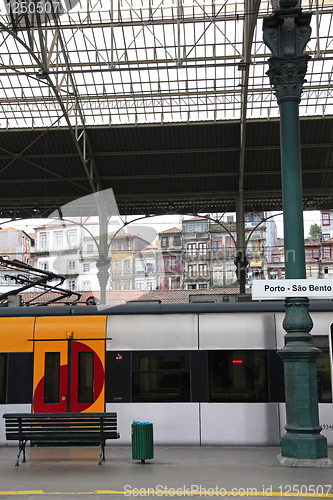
x,y
142,441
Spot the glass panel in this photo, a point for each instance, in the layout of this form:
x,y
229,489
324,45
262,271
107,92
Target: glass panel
x,y
238,376
161,363
161,387
86,377
52,377
3,377
323,369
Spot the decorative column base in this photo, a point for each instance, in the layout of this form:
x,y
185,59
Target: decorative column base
x,y
303,445
303,439
298,462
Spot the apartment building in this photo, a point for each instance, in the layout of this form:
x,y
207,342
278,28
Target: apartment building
x,y
14,244
123,249
169,259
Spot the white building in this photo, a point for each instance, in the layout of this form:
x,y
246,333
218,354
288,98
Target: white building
x,y
69,249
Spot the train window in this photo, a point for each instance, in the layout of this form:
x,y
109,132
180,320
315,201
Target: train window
x,y
160,362
3,377
238,376
52,377
160,378
323,369
86,377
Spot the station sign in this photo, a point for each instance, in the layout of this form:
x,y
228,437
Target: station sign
x,y
281,289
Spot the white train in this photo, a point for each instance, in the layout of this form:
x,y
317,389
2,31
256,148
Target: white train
x,y
204,374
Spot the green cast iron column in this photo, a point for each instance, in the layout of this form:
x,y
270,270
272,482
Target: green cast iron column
x,y
286,33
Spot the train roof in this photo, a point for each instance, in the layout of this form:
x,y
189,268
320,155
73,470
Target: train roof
x,y
155,307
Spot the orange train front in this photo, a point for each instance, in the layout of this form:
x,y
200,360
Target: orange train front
x,y
69,358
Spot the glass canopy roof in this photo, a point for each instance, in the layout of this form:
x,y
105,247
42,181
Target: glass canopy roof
x,y
134,62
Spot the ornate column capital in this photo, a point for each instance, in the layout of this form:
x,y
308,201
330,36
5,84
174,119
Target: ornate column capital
x,y
287,76
286,34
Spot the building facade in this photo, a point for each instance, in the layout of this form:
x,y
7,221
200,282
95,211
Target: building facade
x,y
169,259
69,249
14,244
123,249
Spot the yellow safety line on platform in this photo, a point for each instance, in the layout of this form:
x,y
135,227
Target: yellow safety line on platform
x,y
171,493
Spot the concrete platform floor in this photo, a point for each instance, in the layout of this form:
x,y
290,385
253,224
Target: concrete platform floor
x,y
72,473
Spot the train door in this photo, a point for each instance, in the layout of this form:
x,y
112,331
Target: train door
x,y
69,360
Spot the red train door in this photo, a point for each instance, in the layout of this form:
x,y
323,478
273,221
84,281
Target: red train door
x,y
69,370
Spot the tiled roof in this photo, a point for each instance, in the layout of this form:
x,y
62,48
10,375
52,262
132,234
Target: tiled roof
x,y
172,230
113,297
182,296
198,218
118,297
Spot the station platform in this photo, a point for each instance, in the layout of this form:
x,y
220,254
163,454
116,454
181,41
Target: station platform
x,y
178,472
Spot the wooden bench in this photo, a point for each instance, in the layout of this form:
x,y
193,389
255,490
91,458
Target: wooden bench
x,y
63,428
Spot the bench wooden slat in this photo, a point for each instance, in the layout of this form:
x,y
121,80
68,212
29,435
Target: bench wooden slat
x,y
61,427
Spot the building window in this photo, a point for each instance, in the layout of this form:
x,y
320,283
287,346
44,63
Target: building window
x,y
4,279
201,227
315,253
71,285
150,285
86,267
175,263
202,269
326,252
276,259
191,271
191,287
44,237
326,219
117,285
164,284
202,248
127,266
126,285
71,265
175,282
117,266
203,285
44,266
166,264
217,245
90,248
191,249
139,286
230,245
160,378
325,270
177,241
150,268
86,286
165,242
71,236
58,240
117,246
